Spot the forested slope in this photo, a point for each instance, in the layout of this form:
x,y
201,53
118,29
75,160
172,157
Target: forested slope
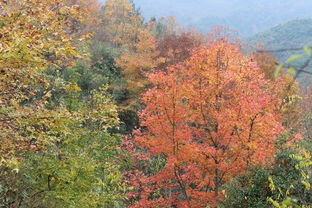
x,y
295,34
100,108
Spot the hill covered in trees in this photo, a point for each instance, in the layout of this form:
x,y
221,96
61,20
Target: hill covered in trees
x,y
293,34
100,108
247,17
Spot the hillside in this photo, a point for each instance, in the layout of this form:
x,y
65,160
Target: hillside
x,y
293,34
247,17
100,108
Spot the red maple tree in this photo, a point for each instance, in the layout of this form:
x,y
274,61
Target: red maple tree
x,y
210,118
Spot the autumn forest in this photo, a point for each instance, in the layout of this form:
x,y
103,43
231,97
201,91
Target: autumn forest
x,y
103,108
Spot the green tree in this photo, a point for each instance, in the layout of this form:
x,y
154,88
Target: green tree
x,y
285,182
57,146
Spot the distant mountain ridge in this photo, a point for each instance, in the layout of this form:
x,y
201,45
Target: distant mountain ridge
x,y
293,34
248,17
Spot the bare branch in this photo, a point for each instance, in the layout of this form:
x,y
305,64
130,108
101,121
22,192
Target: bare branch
x,y
282,50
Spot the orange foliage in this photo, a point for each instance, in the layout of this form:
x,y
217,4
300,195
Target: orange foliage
x,y
211,118
124,28
91,9
138,60
175,48
286,87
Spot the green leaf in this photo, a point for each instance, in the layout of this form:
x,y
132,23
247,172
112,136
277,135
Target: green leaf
x,y
294,58
307,50
292,71
271,184
275,203
306,184
278,70
287,202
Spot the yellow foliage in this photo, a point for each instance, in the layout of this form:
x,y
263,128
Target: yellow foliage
x,y
34,36
121,22
135,43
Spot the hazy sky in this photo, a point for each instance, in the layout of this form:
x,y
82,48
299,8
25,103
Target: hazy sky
x,y
246,16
